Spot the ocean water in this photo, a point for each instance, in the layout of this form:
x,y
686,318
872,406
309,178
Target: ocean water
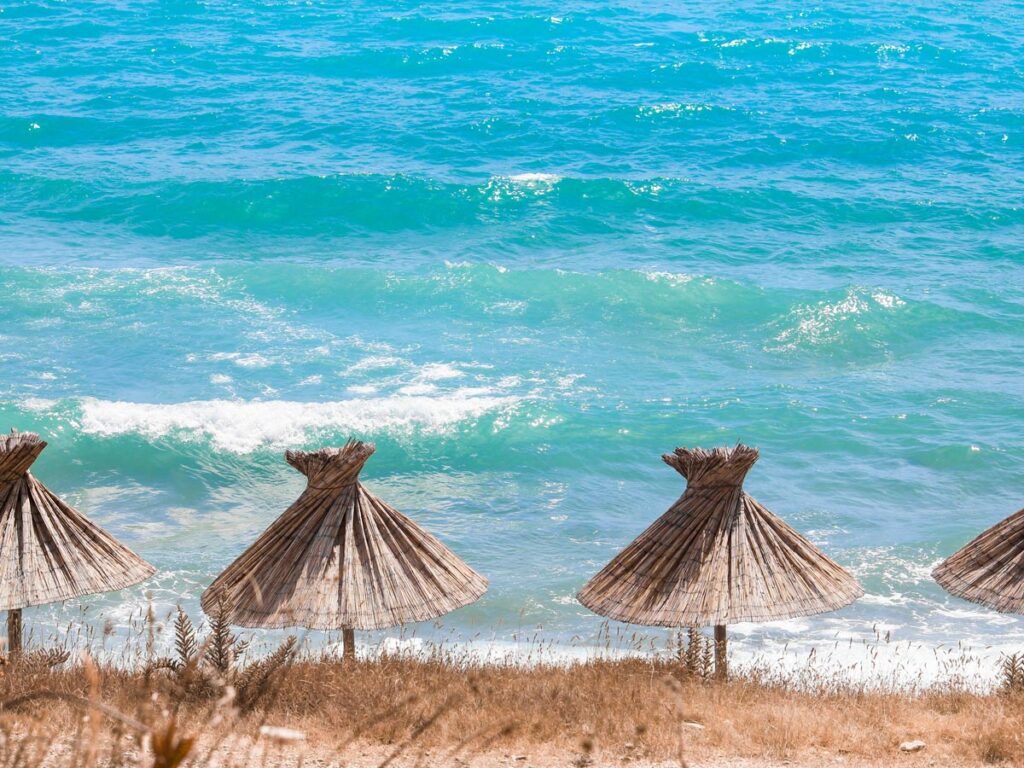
x,y
525,250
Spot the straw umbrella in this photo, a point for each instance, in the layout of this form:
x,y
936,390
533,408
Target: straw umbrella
x,y
340,558
990,569
49,551
717,557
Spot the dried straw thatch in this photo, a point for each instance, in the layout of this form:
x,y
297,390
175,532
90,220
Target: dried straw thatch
x,y
717,557
340,558
990,569
49,551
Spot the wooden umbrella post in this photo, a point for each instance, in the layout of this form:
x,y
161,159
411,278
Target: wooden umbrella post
x,y
721,656
14,631
348,644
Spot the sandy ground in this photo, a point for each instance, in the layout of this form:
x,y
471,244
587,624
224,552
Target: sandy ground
x,y
244,752
413,714
232,750
375,756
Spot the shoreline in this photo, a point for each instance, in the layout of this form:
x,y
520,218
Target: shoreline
x,y
872,664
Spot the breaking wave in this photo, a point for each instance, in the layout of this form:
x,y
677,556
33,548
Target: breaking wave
x,y
243,426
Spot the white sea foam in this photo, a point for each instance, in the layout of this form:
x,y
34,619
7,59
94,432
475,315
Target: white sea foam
x,y
242,426
887,300
638,188
520,186
377,361
439,371
535,178
672,278
242,359
887,50
363,389
418,388
506,308
821,323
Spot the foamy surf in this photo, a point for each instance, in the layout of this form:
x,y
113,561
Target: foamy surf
x,y
243,426
851,656
824,323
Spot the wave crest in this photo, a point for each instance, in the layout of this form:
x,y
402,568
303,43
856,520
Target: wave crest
x,y
243,426
825,322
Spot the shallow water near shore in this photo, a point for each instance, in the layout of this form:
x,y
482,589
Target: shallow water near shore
x,y
525,251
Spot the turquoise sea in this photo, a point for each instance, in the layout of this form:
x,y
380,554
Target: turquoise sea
x,y
525,249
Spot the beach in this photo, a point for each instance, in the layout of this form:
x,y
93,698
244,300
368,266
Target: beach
x,y
413,712
518,255
260,230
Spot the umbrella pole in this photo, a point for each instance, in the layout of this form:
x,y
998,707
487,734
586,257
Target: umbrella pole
x,y
348,644
14,631
721,644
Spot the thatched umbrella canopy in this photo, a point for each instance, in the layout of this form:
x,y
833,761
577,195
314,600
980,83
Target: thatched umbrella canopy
x,y
990,569
48,550
717,557
340,558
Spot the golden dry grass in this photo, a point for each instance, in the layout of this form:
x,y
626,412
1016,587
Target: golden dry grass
x,y
443,711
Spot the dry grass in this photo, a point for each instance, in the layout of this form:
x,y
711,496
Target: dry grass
x,y
447,711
